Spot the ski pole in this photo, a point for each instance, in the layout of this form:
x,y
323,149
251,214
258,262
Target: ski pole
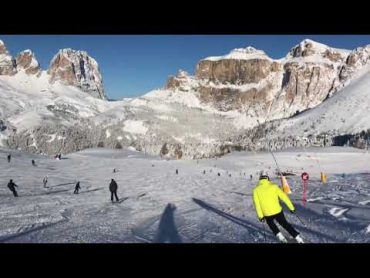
x,y
273,156
275,162
263,229
301,220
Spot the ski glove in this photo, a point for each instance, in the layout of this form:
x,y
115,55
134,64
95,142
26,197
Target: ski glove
x,y
292,211
262,219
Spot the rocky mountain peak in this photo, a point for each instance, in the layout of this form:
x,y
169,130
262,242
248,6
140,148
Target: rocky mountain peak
x,y
307,48
3,49
7,63
182,74
77,68
27,61
315,50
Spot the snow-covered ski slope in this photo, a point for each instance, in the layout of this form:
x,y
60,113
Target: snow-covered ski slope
x,y
159,205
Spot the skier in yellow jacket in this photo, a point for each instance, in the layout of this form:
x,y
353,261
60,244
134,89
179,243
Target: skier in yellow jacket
x,y
266,197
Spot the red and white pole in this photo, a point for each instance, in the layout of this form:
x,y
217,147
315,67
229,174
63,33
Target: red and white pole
x,y
305,178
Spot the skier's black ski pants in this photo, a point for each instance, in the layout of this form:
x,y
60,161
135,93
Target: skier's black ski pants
x,y
115,194
280,218
15,193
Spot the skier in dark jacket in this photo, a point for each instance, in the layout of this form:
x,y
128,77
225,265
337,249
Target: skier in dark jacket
x,y
113,190
77,188
45,181
9,157
33,163
11,186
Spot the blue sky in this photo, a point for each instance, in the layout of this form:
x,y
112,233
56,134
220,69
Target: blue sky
x,y
132,65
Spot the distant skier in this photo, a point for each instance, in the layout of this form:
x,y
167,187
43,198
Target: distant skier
x,y
9,158
251,177
266,197
113,190
77,188
230,175
33,163
204,171
114,170
177,172
45,181
12,186
218,174
60,156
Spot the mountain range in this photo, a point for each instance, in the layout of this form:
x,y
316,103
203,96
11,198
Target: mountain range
x,y
315,95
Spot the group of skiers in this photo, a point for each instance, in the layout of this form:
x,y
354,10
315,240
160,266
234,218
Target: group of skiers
x,y
218,174
113,187
266,199
9,158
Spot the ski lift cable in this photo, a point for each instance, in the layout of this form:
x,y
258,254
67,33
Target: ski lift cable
x,y
284,183
269,143
276,162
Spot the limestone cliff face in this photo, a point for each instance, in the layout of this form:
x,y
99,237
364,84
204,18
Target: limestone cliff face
x,y
249,81
356,60
234,71
77,68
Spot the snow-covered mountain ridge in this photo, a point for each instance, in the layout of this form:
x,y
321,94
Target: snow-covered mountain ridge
x,y
220,108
